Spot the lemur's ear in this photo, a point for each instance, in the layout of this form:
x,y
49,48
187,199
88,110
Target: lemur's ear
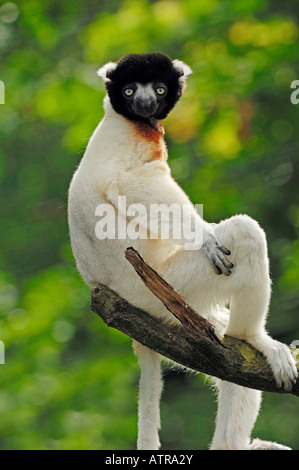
x,y
106,70
183,68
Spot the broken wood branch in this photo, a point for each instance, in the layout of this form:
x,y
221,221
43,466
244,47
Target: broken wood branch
x,y
191,342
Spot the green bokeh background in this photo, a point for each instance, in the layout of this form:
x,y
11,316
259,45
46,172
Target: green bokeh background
x,y
69,382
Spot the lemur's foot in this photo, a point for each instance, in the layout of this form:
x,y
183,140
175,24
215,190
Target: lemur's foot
x,y
257,444
279,358
284,366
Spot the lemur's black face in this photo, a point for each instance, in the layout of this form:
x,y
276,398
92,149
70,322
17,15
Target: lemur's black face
x,y
143,86
145,101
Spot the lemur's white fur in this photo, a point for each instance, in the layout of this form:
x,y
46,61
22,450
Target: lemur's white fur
x,y
119,160
180,65
102,71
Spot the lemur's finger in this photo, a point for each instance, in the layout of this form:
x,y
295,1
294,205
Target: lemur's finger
x,y
220,264
226,271
216,268
225,261
220,267
224,250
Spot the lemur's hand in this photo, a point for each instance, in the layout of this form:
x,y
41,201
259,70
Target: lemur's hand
x,y
215,252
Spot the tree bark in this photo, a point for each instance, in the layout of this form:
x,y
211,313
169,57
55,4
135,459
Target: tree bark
x,y
191,341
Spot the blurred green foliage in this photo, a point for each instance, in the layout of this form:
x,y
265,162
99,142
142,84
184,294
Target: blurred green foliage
x,y
69,382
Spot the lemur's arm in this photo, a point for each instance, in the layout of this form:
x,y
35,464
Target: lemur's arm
x,y
152,185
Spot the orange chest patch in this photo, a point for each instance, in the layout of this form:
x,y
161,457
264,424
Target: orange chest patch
x,y
154,137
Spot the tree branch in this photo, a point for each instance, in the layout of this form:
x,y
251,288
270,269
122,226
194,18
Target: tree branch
x,y
194,324
192,342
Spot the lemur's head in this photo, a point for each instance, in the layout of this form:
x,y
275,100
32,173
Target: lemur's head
x,y
144,86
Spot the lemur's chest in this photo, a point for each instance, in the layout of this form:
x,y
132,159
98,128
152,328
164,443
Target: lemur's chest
x,y
150,144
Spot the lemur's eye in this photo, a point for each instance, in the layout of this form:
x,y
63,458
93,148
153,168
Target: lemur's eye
x,y
128,92
160,89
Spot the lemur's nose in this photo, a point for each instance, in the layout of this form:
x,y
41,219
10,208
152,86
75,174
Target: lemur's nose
x,y
146,105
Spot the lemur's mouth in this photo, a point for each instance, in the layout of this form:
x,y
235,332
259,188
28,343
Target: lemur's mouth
x,y
145,114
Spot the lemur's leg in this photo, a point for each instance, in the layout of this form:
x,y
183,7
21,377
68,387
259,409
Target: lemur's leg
x,y
150,390
248,289
238,409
